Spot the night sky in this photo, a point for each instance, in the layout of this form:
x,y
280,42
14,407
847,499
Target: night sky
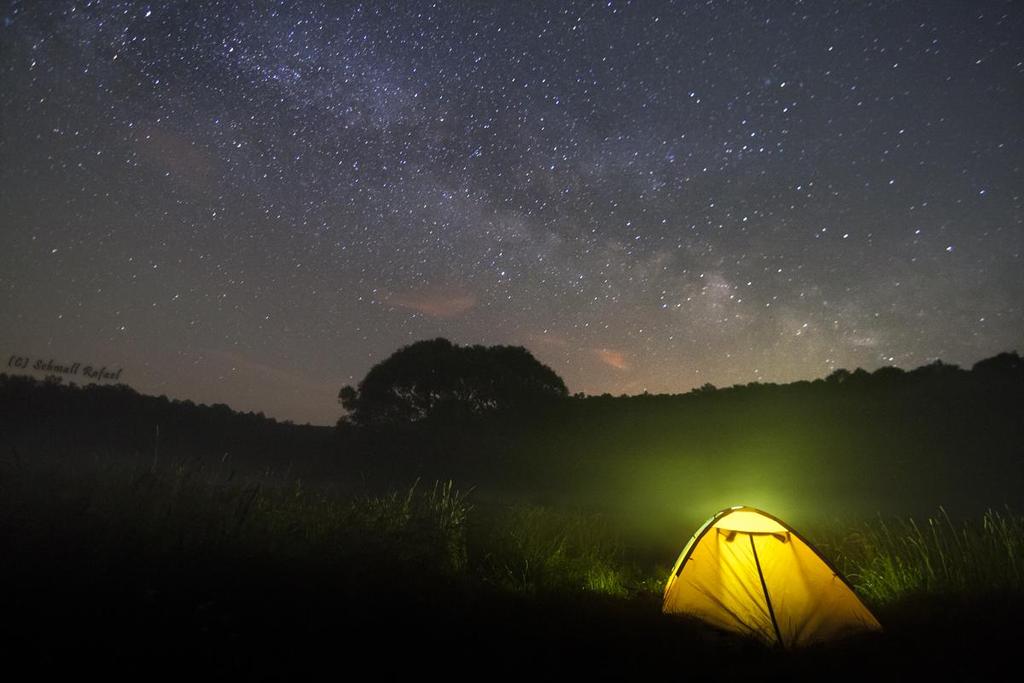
x,y
253,203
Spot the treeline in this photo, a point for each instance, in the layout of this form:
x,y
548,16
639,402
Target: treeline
x,y
115,421
854,443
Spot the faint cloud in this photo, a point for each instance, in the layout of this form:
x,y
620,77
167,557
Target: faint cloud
x,y
436,303
863,341
612,358
547,339
176,155
236,362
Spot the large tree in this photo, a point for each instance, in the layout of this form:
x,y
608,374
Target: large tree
x,y
438,377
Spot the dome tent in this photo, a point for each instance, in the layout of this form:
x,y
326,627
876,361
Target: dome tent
x,y
748,572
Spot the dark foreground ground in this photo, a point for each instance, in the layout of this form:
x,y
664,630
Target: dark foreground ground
x,y
145,539
260,622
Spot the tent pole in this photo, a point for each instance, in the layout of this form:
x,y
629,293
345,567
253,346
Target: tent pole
x,y
764,587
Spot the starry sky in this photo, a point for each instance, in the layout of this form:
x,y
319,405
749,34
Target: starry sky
x,y
252,203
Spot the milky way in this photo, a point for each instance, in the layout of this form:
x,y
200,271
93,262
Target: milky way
x,y
252,203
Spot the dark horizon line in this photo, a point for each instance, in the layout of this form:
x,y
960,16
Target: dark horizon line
x,y
707,387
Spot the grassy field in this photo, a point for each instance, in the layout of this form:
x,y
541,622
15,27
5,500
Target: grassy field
x,y
196,568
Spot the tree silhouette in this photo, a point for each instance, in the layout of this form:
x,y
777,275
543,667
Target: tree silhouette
x,y
435,377
1007,365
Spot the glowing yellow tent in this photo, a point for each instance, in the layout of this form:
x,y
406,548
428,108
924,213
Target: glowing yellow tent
x,y
748,572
